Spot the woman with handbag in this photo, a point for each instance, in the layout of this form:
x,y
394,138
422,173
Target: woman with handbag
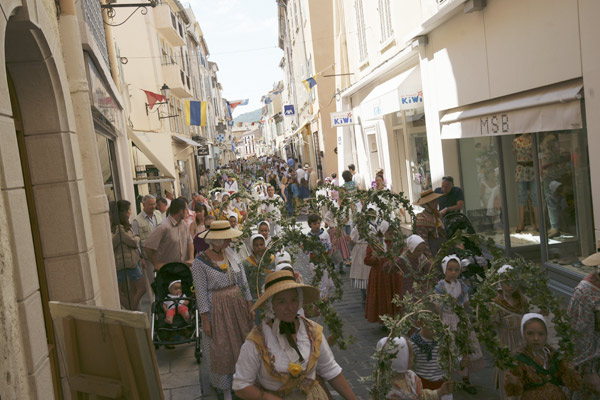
x,y
127,257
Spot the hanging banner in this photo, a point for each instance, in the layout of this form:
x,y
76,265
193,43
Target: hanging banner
x,y
342,118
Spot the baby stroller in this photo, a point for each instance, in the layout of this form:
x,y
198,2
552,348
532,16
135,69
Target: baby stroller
x,y
474,262
180,331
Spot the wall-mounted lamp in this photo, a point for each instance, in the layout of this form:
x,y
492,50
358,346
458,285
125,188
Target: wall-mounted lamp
x,y
165,91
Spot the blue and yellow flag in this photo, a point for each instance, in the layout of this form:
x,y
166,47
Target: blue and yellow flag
x,y
310,82
195,113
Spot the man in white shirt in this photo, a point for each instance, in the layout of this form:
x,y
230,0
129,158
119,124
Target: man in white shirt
x,y
356,177
162,206
143,225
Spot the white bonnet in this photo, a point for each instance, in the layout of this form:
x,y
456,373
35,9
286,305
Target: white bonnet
x,y
283,257
413,241
283,265
449,258
400,361
256,236
263,222
530,316
504,268
383,226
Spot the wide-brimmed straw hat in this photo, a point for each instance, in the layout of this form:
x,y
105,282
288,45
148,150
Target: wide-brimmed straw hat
x,y
221,230
592,260
283,280
427,196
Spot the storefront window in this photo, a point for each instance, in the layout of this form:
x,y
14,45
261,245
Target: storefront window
x,y
184,179
504,185
106,154
567,208
418,151
481,185
414,146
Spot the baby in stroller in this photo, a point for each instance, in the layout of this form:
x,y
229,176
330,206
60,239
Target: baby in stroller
x,y
176,306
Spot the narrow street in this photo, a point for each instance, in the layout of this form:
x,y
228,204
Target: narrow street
x,y
183,379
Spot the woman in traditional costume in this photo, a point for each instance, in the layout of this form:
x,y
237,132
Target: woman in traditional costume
x,y
284,355
224,301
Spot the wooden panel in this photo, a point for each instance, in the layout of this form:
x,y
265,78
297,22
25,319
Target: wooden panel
x,y
108,354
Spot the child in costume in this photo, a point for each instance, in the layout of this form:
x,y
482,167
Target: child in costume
x,y
406,384
508,308
455,287
314,222
426,363
540,370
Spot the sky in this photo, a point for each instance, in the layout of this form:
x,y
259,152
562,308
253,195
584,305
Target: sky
x,y
242,39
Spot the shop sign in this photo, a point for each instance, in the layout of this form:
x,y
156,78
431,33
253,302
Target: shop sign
x,y
202,150
102,98
494,125
412,99
343,118
288,109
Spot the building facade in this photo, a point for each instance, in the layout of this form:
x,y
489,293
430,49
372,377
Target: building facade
x,y
63,157
161,61
491,94
306,38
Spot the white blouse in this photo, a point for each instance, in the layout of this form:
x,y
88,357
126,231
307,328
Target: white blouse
x,y
250,367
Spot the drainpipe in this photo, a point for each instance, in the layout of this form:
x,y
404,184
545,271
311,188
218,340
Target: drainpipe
x,y
101,270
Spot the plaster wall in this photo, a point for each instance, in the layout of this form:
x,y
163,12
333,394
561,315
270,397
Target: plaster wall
x,y
590,32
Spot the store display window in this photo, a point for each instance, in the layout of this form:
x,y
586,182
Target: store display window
x,y
531,194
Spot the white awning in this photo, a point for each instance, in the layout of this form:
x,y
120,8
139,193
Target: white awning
x,y
401,92
147,181
550,108
301,128
144,145
186,140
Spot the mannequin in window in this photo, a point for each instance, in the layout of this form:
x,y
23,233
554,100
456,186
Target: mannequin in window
x,y
525,178
550,164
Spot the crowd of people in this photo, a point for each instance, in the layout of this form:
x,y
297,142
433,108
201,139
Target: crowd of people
x,y
255,310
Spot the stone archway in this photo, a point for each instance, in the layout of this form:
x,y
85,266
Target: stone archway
x,y
47,244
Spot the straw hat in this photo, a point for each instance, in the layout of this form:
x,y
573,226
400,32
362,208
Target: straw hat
x,y
427,196
279,281
221,230
592,260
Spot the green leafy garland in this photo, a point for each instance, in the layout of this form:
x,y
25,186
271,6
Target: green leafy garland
x,y
292,238
532,281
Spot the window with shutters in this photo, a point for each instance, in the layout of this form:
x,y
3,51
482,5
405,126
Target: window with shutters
x,y
361,32
385,20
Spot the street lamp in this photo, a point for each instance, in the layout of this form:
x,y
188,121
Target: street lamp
x,y
165,91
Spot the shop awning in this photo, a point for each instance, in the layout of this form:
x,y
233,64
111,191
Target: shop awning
x,y
401,92
550,108
147,147
186,140
147,181
300,129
